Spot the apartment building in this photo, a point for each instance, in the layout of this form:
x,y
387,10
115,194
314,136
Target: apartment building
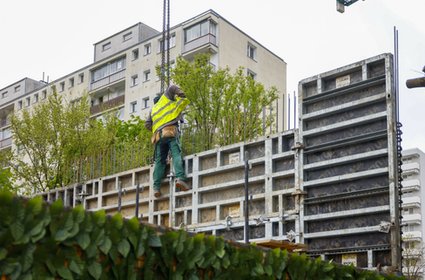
x,y
413,197
15,97
122,75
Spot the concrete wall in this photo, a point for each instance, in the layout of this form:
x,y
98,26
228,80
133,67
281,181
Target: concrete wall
x,y
329,185
122,40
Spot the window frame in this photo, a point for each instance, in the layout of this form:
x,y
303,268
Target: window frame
x,y
251,51
127,36
146,75
147,49
145,103
135,54
134,80
106,46
133,107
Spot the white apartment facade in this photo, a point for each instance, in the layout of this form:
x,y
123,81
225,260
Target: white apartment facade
x,y
123,77
413,197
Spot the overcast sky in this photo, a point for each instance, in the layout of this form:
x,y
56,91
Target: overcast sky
x,y
57,37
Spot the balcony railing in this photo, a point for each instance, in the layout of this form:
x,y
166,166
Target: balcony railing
x,y
412,218
199,42
5,142
108,80
115,102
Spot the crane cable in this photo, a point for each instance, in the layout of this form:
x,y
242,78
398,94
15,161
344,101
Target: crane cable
x,y
165,47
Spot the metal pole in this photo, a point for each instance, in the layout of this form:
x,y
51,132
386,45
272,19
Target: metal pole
x,y
289,111
137,200
119,196
246,210
295,110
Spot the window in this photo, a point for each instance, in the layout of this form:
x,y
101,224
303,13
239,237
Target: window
x,y
7,133
146,75
135,54
62,86
35,98
251,51
147,49
172,42
133,106
28,101
17,88
134,80
408,211
4,94
20,104
81,78
127,36
106,46
108,69
198,30
71,82
145,102
251,74
44,94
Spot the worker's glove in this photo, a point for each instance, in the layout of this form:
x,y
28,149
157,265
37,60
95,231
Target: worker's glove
x,y
181,94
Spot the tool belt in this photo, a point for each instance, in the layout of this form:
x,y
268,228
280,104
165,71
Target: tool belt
x,y
166,132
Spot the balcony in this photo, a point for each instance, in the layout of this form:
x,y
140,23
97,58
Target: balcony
x,y
412,201
411,185
115,102
111,79
4,143
206,43
412,218
412,235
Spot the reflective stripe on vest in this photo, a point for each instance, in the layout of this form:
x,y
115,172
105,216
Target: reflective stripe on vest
x,y
166,110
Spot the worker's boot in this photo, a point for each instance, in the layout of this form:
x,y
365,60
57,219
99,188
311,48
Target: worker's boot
x,y
182,185
157,193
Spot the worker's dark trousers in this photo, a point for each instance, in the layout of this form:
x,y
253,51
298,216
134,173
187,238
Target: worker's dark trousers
x,y
161,152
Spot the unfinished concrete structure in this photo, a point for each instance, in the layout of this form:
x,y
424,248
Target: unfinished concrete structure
x,y
331,184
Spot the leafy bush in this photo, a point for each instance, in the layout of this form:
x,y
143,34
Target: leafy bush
x,y
41,241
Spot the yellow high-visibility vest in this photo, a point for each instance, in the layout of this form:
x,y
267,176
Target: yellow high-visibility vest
x,y
166,110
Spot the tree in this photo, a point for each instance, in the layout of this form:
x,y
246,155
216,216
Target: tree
x,y
413,259
6,176
48,137
224,108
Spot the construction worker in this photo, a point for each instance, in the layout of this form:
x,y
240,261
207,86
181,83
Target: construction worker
x,y
163,120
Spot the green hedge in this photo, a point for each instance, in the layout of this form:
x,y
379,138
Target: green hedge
x,y
42,241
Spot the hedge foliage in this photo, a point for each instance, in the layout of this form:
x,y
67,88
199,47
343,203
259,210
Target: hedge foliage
x,y
42,241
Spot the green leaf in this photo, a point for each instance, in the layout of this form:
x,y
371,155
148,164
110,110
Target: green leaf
x,y
154,241
117,221
99,217
27,258
38,236
220,248
3,253
61,235
105,246
17,231
95,270
83,240
37,229
64,273
56,207
74,267
35,204
124,247
78,213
